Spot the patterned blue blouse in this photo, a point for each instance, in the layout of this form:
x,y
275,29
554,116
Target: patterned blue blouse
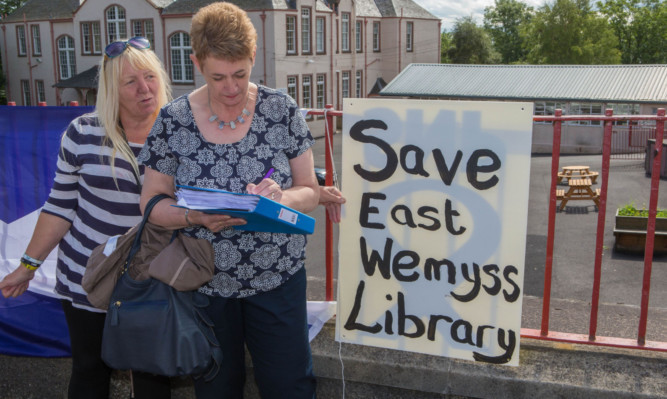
x,y
246,262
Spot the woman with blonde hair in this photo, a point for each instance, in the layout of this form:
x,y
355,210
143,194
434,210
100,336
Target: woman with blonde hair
x,y
240,136
95,195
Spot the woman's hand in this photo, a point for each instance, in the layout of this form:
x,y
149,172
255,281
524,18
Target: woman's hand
x,y
332,199
213,221
16,282
266,188
49,230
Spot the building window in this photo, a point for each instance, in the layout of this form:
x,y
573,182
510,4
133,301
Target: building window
x,y
624,109
144,27
91,39
586,109
116,26
181,64
305,31
25,90
66,59
291,87
346,85
307,91
547,108
409,37
320,35
290,31
345,32
20,37
321,91
357,85
36,40
39,90
376,36
358,37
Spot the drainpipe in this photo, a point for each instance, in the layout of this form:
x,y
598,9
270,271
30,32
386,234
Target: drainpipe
x,y
365,48
55,63
164,43
353,49
4,35
438,59
400,44
28,50
263,17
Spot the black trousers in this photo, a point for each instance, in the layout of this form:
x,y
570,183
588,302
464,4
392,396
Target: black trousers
x,y
274,326
90,375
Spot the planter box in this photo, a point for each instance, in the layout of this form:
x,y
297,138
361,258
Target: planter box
x,y
630,234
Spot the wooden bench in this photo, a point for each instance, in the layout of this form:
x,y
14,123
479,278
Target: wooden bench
x,y
560,193
567,176
563,175
580,189
591,175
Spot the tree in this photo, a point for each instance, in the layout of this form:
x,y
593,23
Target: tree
x,y
445,45
503,22
640,27
7,6
471,44
568,32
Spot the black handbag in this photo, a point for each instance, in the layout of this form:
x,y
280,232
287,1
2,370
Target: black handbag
x,y
152,327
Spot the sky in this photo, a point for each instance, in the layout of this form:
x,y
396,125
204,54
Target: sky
x,y
450,10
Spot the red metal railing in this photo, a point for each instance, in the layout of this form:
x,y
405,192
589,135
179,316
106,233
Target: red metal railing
x,y
629,142
329,113
592,338
544,333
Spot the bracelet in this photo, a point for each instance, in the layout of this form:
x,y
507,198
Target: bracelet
x,y
186,217
31,260
30,263
28,266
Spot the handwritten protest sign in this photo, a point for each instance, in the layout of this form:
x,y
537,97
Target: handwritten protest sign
x,y
432,241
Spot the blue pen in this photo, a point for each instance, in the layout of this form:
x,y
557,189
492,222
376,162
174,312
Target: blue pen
x,y
268,174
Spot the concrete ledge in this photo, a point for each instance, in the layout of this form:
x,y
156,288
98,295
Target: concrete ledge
x,y
547,370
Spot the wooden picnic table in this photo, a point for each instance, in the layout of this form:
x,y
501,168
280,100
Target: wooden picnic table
x,y
579,189
577,172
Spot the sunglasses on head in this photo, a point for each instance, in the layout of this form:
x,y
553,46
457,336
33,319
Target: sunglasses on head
x,y
116,48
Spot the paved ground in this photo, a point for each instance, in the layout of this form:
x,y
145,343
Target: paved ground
x,y
574,256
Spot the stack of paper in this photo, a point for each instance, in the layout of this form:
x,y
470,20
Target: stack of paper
x,y
260,213
202,199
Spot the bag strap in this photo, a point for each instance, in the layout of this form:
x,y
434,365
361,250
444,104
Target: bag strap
x,y
136,244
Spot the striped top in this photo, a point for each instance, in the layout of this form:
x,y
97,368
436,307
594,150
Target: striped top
x,y
85,194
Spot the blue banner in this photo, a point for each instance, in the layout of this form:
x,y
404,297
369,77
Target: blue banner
x,y
32,324
29,141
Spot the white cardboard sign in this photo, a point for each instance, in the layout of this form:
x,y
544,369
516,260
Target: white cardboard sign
x,y
432,241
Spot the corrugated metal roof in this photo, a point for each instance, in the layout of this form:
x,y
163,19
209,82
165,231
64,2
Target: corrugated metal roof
x,y
611,83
